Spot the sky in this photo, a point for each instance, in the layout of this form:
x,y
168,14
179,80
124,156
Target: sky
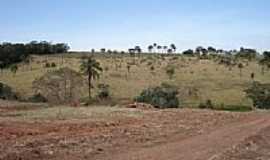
x,y
122,24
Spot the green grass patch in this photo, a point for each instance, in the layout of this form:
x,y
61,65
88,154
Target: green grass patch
x,y
234,108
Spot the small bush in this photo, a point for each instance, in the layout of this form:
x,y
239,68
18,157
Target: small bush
x,y
207,105
7,93
164,96
37,98
104,92
47,65
170,71
53,65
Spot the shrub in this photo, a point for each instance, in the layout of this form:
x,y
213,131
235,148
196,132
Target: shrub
x,y
53,65
164,96
37,98
207,105
152,68
6,92
260,95
104,92
170,71
47,65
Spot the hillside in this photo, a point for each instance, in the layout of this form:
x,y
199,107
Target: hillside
x,y
197,80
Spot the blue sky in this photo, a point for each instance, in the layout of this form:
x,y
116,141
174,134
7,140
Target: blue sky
x,y
121,24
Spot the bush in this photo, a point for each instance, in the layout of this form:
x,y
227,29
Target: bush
x,y
207,105
37,98
164,96
104,92
170,71
6,92
53,65
47,65
260,95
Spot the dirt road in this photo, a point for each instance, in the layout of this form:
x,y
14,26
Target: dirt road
x,y
132,134
208,146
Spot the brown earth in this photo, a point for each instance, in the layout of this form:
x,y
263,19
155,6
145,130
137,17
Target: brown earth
x,y
156,135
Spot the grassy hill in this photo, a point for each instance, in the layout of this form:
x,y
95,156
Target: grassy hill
x,y
197,80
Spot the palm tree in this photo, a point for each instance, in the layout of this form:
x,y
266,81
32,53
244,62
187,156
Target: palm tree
x,y
159,48
155,46
263,63
240,66
138,49
173,47
92,69
150,48
165,48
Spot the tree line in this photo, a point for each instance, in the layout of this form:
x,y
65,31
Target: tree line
x,y
11,53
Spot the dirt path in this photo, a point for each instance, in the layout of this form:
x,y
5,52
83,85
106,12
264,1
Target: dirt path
x,y
208,146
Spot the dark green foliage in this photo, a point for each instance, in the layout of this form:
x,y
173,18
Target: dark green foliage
x,y
164,96
6,92
247,53
103,92
37,98
189,52
15,53
260,95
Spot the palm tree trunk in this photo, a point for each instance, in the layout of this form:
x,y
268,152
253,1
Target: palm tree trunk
x,y
262,70
89,86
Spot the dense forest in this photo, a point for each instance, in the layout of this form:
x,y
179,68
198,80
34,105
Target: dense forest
x,y
13,53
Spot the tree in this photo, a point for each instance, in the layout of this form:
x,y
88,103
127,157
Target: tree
x,y
102,50
138,49
159,48
211,49
188,52
165,48
252,76
128,68
92,69
150,48
265,61
240,66
173,47
155,46
246,53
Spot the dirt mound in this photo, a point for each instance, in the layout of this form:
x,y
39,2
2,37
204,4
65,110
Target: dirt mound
x,y
62,86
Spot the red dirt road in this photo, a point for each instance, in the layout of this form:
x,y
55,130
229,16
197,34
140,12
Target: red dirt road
x,y
208,146
152,135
